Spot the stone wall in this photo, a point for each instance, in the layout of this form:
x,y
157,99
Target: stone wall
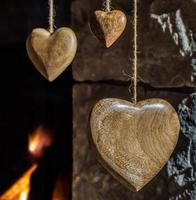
x,y
167,69
166,49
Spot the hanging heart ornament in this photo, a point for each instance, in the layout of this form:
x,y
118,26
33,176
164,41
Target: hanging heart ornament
x,y
108,25
134,142
51,53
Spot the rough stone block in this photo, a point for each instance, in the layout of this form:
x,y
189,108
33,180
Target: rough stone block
x,y
182,166
166,41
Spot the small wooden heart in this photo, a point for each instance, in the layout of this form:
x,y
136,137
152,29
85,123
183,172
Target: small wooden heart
x,y
51,53
134,142
108,26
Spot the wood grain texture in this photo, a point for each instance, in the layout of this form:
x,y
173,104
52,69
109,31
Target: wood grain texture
x,y
51,53
134,142
108,26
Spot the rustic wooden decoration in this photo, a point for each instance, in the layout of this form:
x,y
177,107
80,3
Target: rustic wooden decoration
x,y
134,142
108,25
51,53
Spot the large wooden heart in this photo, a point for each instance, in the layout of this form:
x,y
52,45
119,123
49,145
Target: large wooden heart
x,y
51,53
108,26
134,142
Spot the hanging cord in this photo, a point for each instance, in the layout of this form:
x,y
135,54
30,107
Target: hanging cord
x,y
135,59
107,5
51,16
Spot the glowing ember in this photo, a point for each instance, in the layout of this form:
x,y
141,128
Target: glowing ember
x,y
39,140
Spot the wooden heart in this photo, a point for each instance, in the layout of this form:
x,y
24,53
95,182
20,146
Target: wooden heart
x,y
108,26
51,53
134,142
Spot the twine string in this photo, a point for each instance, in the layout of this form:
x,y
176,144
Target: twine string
x,y
107,5
135,58
51,16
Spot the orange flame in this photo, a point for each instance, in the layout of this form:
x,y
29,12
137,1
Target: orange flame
x,y
24,195
21,188
39,140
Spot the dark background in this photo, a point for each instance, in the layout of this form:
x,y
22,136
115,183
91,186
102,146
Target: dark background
x,y
28,100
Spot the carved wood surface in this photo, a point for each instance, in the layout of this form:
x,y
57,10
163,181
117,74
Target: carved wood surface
x,y
90,179
134,142
108,26
51,53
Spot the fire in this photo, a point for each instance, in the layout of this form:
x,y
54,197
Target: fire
x,y
24,195
39,140
20,190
